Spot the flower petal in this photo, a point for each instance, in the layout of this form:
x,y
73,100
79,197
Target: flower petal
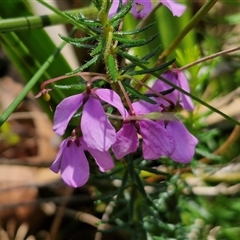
x,y
148,154
112,98
64,112
184,142
141,8
156,137
103,159
177,9
98,133
185,100
74,166
143,107
171,76
55,167
114,7
127,141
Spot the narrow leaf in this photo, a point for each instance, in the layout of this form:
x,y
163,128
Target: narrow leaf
x,y
151,70
131,66
82,20
99,47
138,43
79,87
123,185
137,94
78,40
86,65
131,57
135,31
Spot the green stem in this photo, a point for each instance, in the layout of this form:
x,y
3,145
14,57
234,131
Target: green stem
x,y
196,18
129,160
29,85
103,13
33,22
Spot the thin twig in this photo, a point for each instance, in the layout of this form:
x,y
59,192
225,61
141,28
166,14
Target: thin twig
x,y
204,59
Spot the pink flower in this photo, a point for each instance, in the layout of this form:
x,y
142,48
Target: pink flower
x,y
141,8
73,164
156,141
176,77
98,133
184,142
177,9
159,138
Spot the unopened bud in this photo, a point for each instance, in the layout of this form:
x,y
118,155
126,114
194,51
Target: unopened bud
x,y
46,97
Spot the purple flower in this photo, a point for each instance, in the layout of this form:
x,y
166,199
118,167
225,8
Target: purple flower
x,y
184,142
141,8
176,77
98,133
156,141
159,138
114,7
177,9
73,164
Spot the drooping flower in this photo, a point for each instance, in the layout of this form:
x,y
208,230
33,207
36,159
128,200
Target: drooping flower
x,y
184,142
177,9
156,141
73,164
141,8
177,77
159,138
98,133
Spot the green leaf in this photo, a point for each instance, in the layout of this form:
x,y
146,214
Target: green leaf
x,y
137,94
86,65
96,30
112,67
123,185
79,87
78,40
137,43
170,90
144,59
130,57
151,54
97,4
99,47
83,21
135,31
151,70
209,155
